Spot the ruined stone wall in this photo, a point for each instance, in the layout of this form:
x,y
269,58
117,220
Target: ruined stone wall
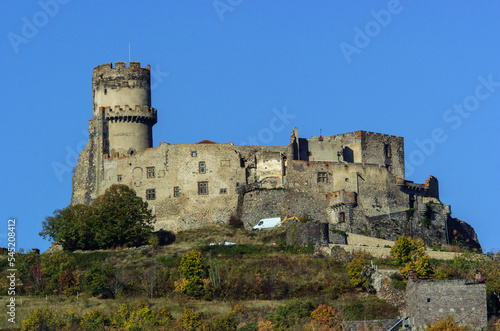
x,y
430,301
315,233
384,150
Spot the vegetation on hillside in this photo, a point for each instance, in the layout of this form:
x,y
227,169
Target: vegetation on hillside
x,y
258,284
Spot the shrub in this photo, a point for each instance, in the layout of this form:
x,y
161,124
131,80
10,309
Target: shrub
x,y
97,279
445,325
189,320
357,271
327,315
227,322
236,222
194,273
43,319
95,320
402,250
293,313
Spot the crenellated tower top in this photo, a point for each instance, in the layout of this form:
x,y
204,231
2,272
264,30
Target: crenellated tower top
x,y
122,107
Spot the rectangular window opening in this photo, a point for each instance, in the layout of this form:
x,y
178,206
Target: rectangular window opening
x,y
322,177
119,178
150,172
151,194
177,192
202,167
203,188
223,191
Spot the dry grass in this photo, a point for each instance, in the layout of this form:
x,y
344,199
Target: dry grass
x,y
83,304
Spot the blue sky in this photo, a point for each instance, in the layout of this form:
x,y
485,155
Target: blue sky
x,y
223,70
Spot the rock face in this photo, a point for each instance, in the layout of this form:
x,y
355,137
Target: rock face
x,y
355,182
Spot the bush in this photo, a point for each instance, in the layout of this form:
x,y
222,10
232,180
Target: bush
x,y
95,320
402,250
445,325
293,313
328,316
236,222
97,279
193,273
357,271
43,319
189,320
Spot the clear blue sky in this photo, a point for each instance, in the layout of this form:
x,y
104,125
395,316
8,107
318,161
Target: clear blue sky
x,y
425,70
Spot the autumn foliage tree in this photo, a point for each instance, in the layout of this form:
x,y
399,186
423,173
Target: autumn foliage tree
x,y
410,255
116,218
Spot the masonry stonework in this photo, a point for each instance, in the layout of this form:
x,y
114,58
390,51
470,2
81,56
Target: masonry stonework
x,y
355,182
430,301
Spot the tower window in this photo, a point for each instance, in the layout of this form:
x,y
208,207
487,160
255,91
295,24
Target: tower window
x,y
387,150
202,167
105,91
177,192
223,191
150,194
194,154
203,188
322,177
150,172
119,178
342,217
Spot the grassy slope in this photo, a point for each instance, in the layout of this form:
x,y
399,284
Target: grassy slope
x,y
254,271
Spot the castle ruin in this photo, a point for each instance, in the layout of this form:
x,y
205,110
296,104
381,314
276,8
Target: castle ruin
x,y
354,181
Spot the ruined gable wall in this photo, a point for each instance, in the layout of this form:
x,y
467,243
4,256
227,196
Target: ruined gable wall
x,y
385,150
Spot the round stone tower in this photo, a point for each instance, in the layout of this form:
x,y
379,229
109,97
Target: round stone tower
x,y
122,107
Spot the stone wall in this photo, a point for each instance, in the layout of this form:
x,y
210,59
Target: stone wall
x,y
430,301
303,234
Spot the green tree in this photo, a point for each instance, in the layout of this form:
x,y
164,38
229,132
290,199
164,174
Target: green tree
x,y
98,279
122,218
193,274
118,217
402,250
357,271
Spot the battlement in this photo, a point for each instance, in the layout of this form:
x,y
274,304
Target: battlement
x,y
140,113
106,73
379,136
119,65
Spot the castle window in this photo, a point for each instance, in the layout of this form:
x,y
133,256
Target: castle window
x,y
223,191
150,194
177,192
387,150
105,91
203,188
202,167
151,172
428,299
119,178
342,217
322,177
194,154
347,179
